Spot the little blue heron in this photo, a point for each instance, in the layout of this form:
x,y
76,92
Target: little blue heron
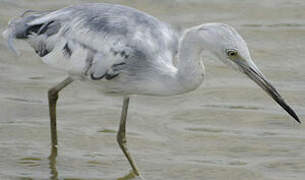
x,y
124,52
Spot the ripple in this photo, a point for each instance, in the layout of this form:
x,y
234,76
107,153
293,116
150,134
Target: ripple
x,y
94,163
238,163
232,107
234,132
285,165
30,161
221,162
278,25
36,77
111,131
209,130
17,99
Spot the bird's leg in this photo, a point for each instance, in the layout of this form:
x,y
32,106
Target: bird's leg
x,y
121,136
53,96
52,163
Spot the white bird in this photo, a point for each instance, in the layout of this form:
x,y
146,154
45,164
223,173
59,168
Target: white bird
x,y
125,51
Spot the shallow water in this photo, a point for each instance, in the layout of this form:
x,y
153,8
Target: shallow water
x,y
228,129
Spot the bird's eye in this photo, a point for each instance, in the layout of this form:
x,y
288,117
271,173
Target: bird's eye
x,y
231,52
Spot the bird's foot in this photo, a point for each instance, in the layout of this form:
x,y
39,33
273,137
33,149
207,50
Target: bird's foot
x,y
132,176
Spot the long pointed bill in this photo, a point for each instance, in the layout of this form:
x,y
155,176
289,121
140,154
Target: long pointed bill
x,y
253,73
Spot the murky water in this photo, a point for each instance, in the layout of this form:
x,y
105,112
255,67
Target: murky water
x,y
228,129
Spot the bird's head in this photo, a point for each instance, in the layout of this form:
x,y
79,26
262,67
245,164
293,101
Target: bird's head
x,y
227,45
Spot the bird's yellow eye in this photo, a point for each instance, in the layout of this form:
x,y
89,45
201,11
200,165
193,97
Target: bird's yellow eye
x,y
231,52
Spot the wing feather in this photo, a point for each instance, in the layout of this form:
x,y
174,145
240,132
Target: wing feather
x,y
103,35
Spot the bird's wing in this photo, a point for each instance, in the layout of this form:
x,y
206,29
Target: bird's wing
x,y
97,37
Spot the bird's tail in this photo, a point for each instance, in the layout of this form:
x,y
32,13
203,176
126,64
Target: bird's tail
x,y
18,28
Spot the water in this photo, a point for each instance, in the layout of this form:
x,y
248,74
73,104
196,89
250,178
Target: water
x,y
228,129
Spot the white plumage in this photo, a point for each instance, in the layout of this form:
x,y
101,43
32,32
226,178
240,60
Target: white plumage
x,y
125,51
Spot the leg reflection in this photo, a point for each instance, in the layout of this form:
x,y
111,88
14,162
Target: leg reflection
x,y
129,176
54,174
52,163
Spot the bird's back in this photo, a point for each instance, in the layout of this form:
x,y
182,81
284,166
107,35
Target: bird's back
x,y
94,39
109,20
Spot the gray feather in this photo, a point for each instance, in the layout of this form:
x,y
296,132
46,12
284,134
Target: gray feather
x,y
109,22
19,28
111,34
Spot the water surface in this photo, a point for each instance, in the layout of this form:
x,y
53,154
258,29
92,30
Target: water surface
x,y
228,129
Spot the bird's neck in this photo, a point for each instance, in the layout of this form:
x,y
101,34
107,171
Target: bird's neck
x,y
186,76
190,68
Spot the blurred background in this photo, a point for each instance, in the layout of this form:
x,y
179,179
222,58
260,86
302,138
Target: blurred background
x,y
226,129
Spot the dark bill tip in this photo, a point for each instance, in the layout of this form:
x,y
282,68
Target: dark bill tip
x,y
287,108
259,79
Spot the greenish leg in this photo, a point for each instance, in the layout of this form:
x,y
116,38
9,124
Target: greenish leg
x,y
121,136
52,163
53,96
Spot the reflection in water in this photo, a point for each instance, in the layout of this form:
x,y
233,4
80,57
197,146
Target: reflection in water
x,y
129,176
54,173
52,163
207,134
